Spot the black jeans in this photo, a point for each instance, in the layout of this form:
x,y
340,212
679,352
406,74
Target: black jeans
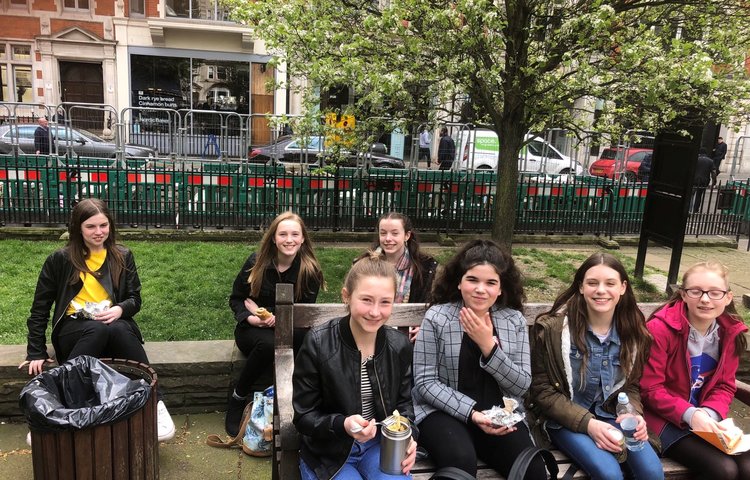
x,y
118,339
706,461
452,443
257,344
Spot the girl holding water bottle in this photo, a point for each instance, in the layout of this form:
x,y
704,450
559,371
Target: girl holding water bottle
x,y
589,348
351,372
689,379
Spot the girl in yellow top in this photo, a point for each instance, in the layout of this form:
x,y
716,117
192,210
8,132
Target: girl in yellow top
x,y
92,267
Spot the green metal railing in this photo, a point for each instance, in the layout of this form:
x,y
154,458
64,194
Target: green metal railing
x,y
42,190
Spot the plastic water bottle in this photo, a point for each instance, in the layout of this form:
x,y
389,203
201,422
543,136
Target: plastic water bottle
x,y
629,422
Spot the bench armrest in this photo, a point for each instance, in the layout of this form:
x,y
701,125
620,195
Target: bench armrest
x,y
288,436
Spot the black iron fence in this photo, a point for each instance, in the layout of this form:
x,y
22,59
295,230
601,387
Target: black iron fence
x,y
42,190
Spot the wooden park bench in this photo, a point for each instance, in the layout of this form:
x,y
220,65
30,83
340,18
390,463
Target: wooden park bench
x,y
286,439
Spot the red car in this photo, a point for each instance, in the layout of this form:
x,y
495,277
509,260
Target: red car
x,y
605,166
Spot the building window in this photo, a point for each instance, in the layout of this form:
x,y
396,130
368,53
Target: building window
x,y
210,73
77,4
18,3
137,7
15,73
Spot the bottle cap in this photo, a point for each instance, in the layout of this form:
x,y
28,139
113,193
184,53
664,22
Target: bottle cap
x,y
622,397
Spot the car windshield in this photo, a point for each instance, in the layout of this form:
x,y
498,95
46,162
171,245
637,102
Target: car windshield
x,y
609,154
313,143
77,134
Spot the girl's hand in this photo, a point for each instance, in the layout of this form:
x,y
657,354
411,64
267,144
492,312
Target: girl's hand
x,y
35,366
641,432
256,321
411,457
486,425
110,315
369,429
703,422
599,433
413,331
478,329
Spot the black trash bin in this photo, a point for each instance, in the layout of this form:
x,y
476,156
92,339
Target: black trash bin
x,y
88,422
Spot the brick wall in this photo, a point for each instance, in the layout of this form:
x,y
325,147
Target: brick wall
x,y
20,27
93,27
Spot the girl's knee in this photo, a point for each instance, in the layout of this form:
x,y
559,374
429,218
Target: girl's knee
x,y
95,329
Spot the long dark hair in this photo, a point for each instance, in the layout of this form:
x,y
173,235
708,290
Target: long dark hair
x,y
77,250
481,252
740,342
628,318
412,245
309,268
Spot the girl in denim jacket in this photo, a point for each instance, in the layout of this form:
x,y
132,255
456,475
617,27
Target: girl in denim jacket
x,y
589,347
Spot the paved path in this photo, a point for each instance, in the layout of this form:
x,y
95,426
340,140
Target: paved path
x,y
186,457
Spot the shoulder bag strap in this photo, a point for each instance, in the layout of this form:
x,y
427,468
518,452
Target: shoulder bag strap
x,y
215,440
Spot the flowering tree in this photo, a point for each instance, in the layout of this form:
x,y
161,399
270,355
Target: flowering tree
x,y
524,65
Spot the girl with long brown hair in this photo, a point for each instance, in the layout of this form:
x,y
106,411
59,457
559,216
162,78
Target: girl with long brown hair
x,y
285,256
590,346
91,268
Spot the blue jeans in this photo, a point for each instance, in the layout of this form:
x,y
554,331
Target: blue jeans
x,y
602,465
363,463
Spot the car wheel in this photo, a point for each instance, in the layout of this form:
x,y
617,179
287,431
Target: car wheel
x,y
630,177
564,171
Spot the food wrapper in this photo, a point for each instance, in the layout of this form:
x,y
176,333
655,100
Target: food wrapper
x,y
505,416
731,441
91,309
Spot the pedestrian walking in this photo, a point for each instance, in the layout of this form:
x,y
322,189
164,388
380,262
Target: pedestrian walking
x,y
41,137
425,141
704,168
446,150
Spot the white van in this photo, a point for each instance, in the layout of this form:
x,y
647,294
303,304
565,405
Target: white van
x,y
479,149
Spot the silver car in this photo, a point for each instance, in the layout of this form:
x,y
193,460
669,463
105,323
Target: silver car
x,y
83,142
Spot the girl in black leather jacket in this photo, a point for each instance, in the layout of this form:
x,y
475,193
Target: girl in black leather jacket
x,y
93,268
349,373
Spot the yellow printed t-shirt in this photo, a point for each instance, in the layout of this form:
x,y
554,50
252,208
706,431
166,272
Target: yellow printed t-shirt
x,y
92,290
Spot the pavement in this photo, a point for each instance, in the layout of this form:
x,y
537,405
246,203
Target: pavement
x,y
188,457
185,457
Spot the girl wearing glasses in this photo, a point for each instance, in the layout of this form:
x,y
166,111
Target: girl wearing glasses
x,y
689,379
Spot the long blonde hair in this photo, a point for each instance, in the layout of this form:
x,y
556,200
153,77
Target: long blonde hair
x,y
309,269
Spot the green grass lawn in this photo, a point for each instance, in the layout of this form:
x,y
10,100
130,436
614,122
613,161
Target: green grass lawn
x,y
186,285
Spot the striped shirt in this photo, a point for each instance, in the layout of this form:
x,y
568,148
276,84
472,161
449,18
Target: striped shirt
x,y
368,403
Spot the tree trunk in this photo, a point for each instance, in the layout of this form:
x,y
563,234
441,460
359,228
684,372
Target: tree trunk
x,y
511,125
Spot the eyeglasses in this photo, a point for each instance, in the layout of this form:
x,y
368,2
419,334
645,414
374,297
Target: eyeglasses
x,y
698,293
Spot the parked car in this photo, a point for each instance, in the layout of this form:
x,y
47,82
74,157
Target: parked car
x,y
273,151
84,143
298,151
479,149
607,162
288,150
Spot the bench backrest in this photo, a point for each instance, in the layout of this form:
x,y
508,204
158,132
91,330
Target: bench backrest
x,y
403,314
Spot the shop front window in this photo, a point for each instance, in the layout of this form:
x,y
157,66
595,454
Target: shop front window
x,y
195,83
